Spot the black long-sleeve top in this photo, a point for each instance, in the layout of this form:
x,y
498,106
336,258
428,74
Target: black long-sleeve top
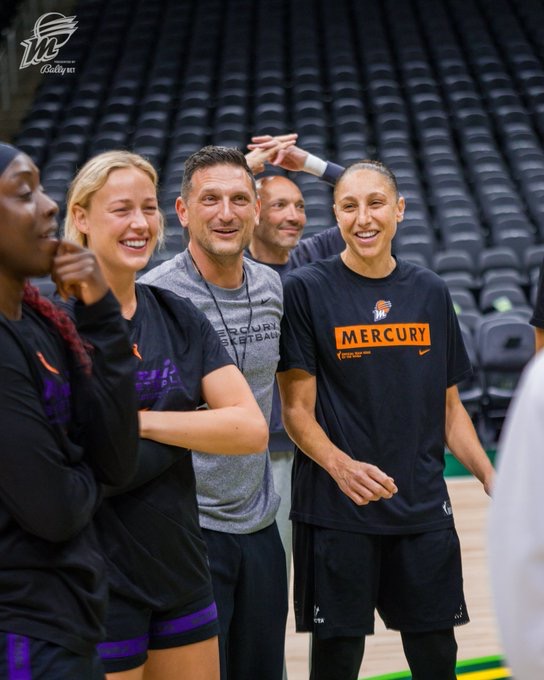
x,y
62,435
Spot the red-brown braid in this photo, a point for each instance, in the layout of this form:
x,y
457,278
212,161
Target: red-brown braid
x,y
62,322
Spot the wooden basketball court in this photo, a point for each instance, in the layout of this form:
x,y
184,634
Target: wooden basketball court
x,y
478,641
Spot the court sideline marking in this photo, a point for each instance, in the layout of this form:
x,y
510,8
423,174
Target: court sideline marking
x,y
486,668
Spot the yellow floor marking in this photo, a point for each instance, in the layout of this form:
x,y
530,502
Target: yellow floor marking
x,y
489,674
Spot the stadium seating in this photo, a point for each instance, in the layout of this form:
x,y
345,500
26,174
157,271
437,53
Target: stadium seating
x,y
449,94
504,344
471,390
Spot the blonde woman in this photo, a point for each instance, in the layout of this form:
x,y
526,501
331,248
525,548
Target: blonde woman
x,y
162,620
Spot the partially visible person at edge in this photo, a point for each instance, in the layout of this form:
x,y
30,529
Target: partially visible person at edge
x,y
162,618
237,502
368,376
69,425
516,528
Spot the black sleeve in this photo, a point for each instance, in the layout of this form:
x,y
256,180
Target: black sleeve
x,y
109,423
320,246
154,458
214,355
332,173
297,337
44,483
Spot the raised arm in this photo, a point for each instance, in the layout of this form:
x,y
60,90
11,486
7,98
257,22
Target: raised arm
x,y
360,481
291,157
270,151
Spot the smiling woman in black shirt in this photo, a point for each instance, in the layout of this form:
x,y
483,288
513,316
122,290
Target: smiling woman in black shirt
x,y
162,619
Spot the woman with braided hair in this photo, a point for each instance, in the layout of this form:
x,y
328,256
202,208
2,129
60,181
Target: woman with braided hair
x,y
69,425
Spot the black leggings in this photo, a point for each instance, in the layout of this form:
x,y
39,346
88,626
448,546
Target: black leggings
x,y
430,656
337,658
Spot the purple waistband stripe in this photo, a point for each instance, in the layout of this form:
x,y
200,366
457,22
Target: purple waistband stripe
x,y
122,648
186,623
18,650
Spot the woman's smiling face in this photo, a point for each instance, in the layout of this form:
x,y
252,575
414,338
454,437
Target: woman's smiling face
x,y
368,210
122,221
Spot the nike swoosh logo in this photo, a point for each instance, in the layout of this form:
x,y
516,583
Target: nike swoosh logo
x,y
423,351
47,365
264,301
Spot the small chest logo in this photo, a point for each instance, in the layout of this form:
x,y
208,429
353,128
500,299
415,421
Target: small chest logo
x,y
446,507
47,365
381,310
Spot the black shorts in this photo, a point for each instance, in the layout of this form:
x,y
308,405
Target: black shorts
x,y
415,581
25,658
133,630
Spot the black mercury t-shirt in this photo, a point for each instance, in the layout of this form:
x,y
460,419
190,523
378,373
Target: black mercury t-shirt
x,y
383,351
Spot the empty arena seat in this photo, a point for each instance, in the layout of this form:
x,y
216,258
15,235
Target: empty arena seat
x,y
499,259
503,297
471,389
504,346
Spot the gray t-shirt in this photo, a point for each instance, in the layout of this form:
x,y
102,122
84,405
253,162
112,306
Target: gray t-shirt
x,y
235,493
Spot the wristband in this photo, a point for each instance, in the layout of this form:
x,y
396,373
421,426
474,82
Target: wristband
x,y
314,165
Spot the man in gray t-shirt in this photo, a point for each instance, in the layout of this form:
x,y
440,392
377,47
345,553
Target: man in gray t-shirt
x,y
236,497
